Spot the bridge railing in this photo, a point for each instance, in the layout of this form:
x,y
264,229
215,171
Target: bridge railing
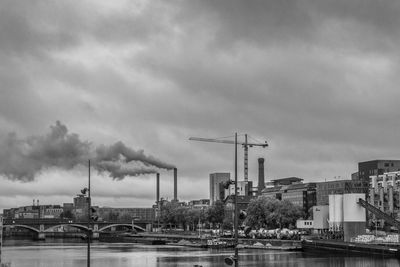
x,y
63,221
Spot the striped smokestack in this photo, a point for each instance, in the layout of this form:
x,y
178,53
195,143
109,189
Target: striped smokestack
x,y
158,189
261,181
175,184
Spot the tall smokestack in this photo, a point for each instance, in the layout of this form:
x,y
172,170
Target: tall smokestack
x,y
158,189
175,184
261,181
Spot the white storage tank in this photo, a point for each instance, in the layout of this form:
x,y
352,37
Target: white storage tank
x,y
352,211
354,216
338,210
335,212
331,210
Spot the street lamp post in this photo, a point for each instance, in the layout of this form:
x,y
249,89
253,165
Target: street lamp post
x,y
236,208
89,219
85,191
235,259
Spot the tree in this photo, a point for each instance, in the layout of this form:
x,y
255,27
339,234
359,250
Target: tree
x,y
265,212
67,214
288,213
260,212
215,214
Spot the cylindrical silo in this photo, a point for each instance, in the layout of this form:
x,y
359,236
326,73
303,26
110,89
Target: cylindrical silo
x,y
353,216
331,212
338,212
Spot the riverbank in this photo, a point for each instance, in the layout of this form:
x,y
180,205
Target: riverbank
x,y
204,242
350,248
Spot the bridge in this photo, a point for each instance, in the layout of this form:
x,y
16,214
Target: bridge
x,y
43,226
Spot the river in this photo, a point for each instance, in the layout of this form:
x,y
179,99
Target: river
x,y
54,254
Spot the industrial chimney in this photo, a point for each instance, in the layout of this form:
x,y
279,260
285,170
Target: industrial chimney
x,y
158,189
175,184
261,181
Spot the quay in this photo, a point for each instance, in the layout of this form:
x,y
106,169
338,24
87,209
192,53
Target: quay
x,y
196,241
350,248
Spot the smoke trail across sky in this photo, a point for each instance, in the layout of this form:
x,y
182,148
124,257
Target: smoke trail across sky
x,y
23,159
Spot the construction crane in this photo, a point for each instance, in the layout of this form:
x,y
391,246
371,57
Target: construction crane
x,y
245,145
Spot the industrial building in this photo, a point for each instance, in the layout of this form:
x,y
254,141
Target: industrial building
x,y
244,188
319,223
126,214
293,190
324,189
343,218
347,219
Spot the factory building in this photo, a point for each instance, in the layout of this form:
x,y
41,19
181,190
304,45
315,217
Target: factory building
x,y
343,218
324,189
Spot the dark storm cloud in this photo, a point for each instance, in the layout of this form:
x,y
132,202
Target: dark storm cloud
x,y
23,159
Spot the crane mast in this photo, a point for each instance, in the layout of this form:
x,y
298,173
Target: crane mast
x,y
245,145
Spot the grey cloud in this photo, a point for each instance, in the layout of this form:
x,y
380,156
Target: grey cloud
x,y
369,26
316,79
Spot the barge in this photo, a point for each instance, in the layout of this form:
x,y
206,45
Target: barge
x,y
350,248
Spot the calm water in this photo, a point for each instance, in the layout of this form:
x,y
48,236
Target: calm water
x,y
31,254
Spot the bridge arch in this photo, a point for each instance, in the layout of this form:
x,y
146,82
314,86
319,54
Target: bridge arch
x,y
78,226
122,224
24,226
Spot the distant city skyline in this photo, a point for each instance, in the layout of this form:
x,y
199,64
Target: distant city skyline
x,y
316,79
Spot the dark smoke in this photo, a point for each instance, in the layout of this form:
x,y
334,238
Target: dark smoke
x,y
23,159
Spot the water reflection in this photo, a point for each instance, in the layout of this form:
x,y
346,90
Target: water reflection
x,y
30,254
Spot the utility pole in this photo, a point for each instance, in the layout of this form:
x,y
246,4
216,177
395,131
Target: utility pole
x,y
89,219
236,207
1,236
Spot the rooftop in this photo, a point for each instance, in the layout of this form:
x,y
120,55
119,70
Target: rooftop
x,y
287,181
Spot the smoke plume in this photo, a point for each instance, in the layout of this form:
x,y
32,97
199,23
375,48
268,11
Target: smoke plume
x,y
23,159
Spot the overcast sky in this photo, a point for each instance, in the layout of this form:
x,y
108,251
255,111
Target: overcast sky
x,y
316,79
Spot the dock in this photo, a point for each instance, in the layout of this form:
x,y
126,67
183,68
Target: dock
x,y
350,248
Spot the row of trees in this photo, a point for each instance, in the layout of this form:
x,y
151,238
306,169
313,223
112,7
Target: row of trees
x,y
265,212
262,212
174,214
